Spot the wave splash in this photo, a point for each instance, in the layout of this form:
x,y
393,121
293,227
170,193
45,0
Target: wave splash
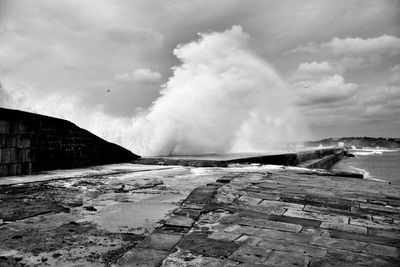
x,y
223,98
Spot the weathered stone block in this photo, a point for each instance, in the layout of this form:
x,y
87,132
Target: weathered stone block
x,y
251,255
4,127
379,208
337,243
224,236
281,204
344,227
179,221
388,241
5,155
383,250
336,257
4,169
10,141
13,155
294,220
313,251
270,224
199,243
15,169
283,258
250,201
23,141
368,223
317,216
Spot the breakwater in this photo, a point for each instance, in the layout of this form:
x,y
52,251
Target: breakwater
x,y
32,143
317,158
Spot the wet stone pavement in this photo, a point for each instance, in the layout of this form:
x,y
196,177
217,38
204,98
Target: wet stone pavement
x,y
133,215
278,217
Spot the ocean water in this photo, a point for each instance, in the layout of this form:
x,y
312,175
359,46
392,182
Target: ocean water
x,y
383,165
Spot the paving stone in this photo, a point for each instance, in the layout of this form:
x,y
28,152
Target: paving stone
x,y
160,241
270,224
200,196
369,223
379,208
337,243
282,245
300,238
294,220
224,236
283,258
256,211
230,219
383,233
179,221
317,216
347,258
251,255
388,241
296,238
264,195
288,219
199,243
383,250
248,201
280,204
344,227
142,257
329,210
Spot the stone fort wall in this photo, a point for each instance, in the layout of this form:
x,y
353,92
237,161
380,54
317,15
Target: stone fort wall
x,y
31,143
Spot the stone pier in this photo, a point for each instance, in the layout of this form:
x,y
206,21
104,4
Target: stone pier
x,y
278,217
148,215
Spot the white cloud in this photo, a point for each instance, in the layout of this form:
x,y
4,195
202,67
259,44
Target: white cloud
x,y
307,71
385,44
139,75
354,46
326,90
316,68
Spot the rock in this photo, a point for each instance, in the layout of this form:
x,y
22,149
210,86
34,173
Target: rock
x,y
90,208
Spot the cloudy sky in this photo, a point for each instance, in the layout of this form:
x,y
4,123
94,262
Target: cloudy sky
x,y
340,58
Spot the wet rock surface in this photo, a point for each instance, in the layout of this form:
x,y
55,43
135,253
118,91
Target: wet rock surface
x,y
88,217
132,215
288,218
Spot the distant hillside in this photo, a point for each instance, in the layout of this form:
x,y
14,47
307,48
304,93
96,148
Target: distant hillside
x,y
358,142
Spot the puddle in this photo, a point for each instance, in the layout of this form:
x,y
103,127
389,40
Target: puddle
x,y
133,217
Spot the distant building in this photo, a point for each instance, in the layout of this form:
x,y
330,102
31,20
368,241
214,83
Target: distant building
x,y
340,144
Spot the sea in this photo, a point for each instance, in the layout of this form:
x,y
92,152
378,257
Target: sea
x,y
376,164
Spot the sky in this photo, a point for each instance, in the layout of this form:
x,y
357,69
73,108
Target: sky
x,y
340,60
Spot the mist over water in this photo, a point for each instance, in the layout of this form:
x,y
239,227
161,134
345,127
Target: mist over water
x,y
222,98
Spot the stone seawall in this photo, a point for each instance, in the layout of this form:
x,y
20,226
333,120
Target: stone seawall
x,y
317,157
31,143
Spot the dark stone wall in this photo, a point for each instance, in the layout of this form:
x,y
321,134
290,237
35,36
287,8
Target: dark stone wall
x,y
31,143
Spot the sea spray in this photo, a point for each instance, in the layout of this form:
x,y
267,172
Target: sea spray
x,y
222,98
